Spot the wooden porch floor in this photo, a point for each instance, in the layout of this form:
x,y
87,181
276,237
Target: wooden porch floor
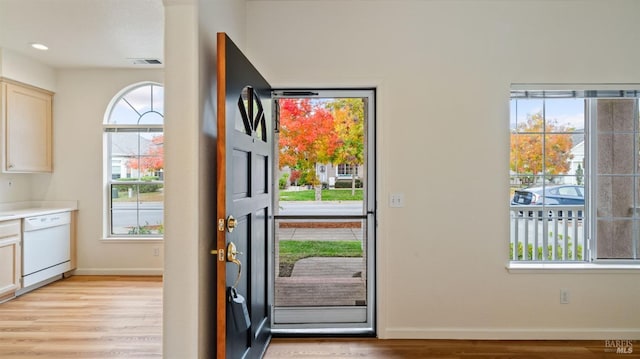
x,y
323,281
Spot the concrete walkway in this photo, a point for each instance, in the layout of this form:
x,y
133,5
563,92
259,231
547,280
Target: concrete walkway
x,y
326,234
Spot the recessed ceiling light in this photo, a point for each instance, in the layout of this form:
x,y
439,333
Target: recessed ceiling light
x,y
39,46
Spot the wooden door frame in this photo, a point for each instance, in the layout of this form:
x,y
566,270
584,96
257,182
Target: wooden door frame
x,y
221,185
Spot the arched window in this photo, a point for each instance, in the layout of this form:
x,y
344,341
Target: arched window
x,y
134,162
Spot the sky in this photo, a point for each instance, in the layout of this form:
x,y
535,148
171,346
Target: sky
x,y
567,111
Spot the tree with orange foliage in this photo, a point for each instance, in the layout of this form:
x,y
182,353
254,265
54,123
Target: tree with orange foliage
x,y
349,125
307,136
527,156
153,159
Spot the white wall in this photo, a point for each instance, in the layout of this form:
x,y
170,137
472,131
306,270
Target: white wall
x,y
24,69
80,102
443,70
190,28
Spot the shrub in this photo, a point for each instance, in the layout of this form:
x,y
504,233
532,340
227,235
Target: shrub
x,y
144,188
295,176
308,177
282,181
346,183
539,254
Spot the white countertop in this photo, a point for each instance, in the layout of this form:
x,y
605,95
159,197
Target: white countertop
x,y
18,210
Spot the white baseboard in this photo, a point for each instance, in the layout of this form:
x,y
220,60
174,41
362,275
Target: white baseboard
x,y
119,271
512,334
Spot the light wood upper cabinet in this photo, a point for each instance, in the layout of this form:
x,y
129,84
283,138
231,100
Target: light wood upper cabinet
x,y
10,258
27,128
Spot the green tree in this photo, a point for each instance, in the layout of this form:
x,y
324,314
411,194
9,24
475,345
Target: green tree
x,y
579,175
349,126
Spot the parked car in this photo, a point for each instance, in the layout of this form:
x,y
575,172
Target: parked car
x,y
550,195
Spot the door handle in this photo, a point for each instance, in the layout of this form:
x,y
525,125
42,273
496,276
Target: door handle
x,y
232,256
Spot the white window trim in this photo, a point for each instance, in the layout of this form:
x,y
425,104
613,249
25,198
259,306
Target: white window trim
x,y
590,264
577,267
107,128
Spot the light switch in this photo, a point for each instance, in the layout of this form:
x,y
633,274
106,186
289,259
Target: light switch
x,y
396,200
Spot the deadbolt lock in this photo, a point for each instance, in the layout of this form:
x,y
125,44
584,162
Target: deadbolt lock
x,y
231,223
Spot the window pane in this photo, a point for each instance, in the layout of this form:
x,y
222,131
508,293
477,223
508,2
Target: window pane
x,y
547,158
137,208
151,154
123,114
617,226
558,155
616,238
139,107
158,100
139,99
321,145
566,115
125,150
525,113
526,157
150,118
151,194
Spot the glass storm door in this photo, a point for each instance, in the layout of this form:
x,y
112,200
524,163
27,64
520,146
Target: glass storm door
x,y
324,207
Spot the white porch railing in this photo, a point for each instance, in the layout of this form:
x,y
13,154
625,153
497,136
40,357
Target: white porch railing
x,y
547,233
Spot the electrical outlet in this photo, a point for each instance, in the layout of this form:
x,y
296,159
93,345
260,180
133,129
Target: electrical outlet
x,y
564,296
156,251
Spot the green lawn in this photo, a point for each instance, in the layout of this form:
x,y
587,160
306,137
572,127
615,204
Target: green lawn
x,y
293,251
327,195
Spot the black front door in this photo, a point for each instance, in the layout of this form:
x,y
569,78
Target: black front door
x,y
244,157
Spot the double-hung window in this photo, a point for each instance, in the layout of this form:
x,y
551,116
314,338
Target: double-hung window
x,y
574,175
134,163
346,170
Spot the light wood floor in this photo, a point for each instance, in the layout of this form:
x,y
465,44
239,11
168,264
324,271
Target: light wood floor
x,y
85,317
121,317
440,349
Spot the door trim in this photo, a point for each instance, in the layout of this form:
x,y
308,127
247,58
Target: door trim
x,y
368,326
221,185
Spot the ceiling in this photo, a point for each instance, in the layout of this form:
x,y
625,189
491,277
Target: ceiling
x,y
84,33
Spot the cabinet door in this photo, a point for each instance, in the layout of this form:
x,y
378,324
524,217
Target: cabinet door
x,y
28,136
10,258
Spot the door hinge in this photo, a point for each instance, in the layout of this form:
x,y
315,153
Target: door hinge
x,y
221,222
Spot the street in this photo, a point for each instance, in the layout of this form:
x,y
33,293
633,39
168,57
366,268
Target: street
x,y
321,208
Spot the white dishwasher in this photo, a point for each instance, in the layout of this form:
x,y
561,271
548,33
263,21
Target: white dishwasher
x,y
46,248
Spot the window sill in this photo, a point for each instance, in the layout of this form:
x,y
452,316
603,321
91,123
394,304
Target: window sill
x,y
132,240
618,268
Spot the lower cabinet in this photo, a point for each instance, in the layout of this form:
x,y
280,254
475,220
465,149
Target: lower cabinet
x,y
10,257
